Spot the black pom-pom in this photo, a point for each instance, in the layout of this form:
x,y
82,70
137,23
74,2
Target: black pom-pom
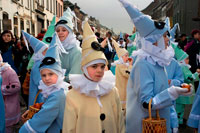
x,y
13,86
7,86
159,24
102,116
128,72
48,39
96,46
47,61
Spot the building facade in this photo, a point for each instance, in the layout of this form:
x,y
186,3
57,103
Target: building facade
x,y
184,12
28,15
98,27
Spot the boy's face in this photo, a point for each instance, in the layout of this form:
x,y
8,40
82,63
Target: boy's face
x,y
125,58
166,40
62,33
96,71
187,60
48,77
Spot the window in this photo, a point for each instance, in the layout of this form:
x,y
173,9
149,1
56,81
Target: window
x,y
15,25
22,24
47,4
5,15
54,11
27,4
61,10
56,8
51,5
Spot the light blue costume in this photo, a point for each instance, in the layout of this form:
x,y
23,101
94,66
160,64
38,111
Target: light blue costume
x,y
113,67
2,111
194,117
148,79
175,74
50,117
71,61
34,82
38,46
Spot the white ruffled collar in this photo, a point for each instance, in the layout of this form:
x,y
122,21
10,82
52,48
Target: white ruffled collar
x,y
120,61
154,54
70,42
48,90
4,67
184,64
93,89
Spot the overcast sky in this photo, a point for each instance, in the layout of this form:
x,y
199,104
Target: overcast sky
x,y
111,13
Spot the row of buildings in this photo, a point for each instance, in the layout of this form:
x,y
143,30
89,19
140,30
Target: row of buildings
x,y
97,26
184,12
33,15
28,15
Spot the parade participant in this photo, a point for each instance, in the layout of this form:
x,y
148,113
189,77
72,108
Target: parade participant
x,y
122,71
71,59
189,78
50,116
46,39
175,78
193,120
93,104
10,89
131,46
40,49
8,50
2,112
148,78
121,40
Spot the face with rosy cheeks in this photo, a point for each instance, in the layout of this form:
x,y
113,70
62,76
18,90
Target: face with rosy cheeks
x,y
62,33
187,60
166,39
96,71
7,37
48,77
125,58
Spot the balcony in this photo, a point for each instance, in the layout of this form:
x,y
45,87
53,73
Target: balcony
x,y
39,8
15,1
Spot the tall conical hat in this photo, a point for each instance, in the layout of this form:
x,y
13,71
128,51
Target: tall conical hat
x,y
35,43
120,50
91,49
51,29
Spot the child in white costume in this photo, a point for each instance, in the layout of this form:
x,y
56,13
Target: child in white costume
x,y
93,104
122,71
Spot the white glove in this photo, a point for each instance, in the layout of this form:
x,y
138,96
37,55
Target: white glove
x,y
175,130
175,91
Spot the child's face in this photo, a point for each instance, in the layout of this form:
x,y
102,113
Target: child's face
x,y
125,58
186,60
48,77
166,39
62,33
7,37
96,71
44,52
